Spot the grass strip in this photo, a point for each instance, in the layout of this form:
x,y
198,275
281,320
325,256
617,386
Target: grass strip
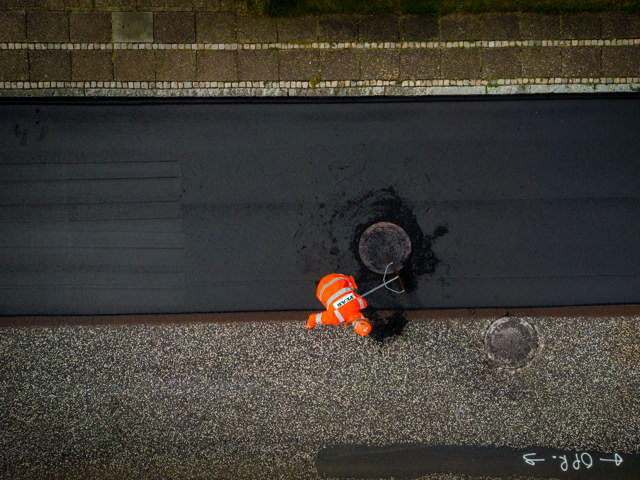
x,y
286,8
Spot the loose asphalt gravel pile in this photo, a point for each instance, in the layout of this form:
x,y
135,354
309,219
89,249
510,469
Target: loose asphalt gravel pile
x,y
261,400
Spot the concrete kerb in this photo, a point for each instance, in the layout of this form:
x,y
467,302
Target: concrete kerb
x,y
485,315
319,92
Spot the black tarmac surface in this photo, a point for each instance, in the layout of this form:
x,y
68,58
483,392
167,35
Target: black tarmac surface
x,y
199,206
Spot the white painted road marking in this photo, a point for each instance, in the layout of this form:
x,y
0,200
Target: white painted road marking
x,y
531,461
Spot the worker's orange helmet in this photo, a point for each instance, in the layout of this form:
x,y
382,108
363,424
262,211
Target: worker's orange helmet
x,y
362,327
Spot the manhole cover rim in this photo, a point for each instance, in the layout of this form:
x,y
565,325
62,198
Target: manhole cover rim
x,y
378,265
524,324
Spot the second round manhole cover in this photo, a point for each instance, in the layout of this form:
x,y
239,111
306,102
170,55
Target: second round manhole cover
x,y
381,240
511,342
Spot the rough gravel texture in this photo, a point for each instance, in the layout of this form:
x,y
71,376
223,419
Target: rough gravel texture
x,y
261,399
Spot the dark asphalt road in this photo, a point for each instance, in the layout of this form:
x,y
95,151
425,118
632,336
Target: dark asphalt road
x,y
416,461
131,207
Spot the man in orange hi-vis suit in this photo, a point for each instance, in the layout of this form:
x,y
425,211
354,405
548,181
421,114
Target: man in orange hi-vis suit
x,y
343,305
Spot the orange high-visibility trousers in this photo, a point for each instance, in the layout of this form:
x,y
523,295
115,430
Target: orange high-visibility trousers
x,y
343,305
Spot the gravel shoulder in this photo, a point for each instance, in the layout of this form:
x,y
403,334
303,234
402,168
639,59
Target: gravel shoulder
x,y
262,399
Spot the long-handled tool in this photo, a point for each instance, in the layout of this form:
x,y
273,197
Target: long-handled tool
x,y
386,282
397,277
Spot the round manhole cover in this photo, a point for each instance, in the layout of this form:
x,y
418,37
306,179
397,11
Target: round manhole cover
x,y
381,240
511,342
